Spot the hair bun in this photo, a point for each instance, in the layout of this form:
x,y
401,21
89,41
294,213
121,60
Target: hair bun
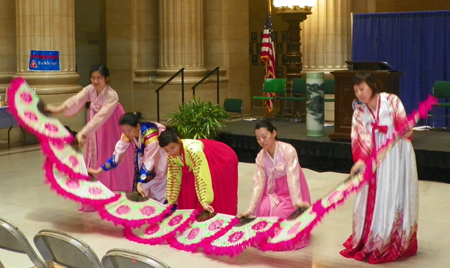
x,y
138,115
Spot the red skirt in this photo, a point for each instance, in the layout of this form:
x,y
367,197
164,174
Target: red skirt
x,y
223,165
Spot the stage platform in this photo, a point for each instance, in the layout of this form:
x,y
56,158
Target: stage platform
x,y
321,154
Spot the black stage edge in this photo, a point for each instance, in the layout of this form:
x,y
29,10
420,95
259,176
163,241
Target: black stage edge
x,y
321,154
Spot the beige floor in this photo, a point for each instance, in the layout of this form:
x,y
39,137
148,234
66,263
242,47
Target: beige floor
x,y
29,203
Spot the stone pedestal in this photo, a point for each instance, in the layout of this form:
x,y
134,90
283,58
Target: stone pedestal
x,y
314,104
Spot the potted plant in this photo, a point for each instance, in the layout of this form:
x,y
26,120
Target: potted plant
x,y
199,119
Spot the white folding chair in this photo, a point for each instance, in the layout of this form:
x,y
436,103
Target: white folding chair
x,y
12,239
124,258
63,249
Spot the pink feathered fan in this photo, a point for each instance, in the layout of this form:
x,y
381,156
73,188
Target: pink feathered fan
x,y
28,109
163,232
83,191
131,210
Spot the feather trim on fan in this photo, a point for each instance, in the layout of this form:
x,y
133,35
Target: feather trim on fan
x,y
25,105
241,236
67,158
200,232
163,232
129,213
88,192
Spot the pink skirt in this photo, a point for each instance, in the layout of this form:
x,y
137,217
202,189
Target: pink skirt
x,y
285,207
223,165
120,178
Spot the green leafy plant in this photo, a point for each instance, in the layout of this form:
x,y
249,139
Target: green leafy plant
x,y
199,119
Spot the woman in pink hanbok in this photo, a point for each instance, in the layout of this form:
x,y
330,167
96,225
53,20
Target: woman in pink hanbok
x,y
279,185
386,210
102,130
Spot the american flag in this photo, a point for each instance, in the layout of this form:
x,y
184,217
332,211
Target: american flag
x,y
268,55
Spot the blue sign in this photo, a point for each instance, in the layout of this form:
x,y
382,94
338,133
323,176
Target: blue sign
x,y
44,61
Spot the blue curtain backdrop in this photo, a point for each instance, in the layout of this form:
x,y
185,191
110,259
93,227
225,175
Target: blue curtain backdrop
x,y
415,43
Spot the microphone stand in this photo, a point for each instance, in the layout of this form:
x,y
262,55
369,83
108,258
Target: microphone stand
x,y
368,52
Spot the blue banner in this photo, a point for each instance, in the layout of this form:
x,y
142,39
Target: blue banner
x,y
44,60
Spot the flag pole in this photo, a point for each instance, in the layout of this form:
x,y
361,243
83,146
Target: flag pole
x,y
268,56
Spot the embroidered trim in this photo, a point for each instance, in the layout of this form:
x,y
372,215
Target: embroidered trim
x,y
110,163
173,181
200,185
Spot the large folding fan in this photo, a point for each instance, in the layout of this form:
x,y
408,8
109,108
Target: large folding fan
x,y
90,192
130,210
207,227
26,106
164,231
247,232
68,158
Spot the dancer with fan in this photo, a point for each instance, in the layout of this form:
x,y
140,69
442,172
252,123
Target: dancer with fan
x,y
101,131
202,174
279,185
386,210
150,160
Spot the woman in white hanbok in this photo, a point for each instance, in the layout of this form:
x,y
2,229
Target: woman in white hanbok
x,y
386,210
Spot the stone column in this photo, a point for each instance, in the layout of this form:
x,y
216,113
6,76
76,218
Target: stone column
x,y
147,42
7,44
326,36
181,40
48,25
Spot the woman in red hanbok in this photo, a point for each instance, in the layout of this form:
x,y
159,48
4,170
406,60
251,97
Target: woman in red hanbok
x,y
202,174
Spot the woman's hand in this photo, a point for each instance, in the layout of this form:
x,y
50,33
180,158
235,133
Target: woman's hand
x,y
81,140
245,214
208,208
95,171
357,167
140,189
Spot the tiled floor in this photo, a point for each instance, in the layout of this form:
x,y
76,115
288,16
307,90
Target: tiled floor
x,y
29,203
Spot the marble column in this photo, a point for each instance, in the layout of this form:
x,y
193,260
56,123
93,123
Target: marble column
x,y
7,44
326,36
181,40
146,42
47,25
326,40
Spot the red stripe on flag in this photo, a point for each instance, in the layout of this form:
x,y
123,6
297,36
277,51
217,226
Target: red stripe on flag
x,y
268,56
